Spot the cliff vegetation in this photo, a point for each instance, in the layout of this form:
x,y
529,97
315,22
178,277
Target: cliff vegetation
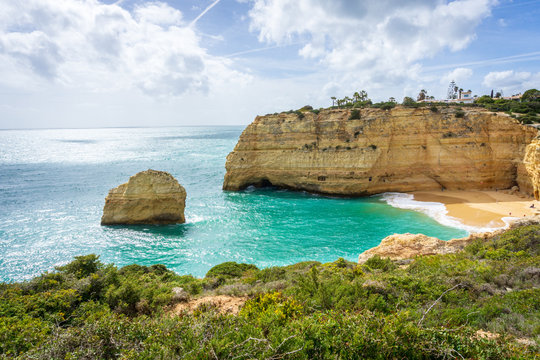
x,y
480,303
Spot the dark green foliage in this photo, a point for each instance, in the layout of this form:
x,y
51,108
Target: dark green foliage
x,y
531,95
459,113
362,104
429,309
378,263
230,269
529,119
315,111
306,108
355,114
485,99
434,108
409,102
300,114
384,105
82,266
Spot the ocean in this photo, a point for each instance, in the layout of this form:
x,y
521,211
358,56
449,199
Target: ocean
x,y
53,184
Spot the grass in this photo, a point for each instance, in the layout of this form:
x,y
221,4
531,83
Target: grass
x,y
430,309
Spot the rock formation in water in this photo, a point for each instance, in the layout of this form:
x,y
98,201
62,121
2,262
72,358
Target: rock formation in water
x,y
532,166
403,149
149,197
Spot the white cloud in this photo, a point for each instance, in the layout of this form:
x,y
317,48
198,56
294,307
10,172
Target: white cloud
x,y
459,75
511,81
88,44
380,42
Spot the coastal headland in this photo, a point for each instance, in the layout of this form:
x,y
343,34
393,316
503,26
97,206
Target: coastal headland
x,y
466,159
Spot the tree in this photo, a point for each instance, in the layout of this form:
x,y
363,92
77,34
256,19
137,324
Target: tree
x,y
422,95
363,96
452,90
408,101
392,99
333,100
531,95
356,96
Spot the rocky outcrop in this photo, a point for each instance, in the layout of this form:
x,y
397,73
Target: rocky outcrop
x,y
149,197
532,166
408,246
403,149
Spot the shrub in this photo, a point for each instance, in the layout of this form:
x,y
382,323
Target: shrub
x,y
409,102
434,108
230,269
376,262
82,266
355,114
459,113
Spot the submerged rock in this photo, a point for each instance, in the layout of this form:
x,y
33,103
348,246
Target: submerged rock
x,y
149,197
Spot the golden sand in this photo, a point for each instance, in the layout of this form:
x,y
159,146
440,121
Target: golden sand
x,y
482,208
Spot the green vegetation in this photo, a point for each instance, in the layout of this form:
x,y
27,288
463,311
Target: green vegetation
x,y
429,308
355,114
526,110
459,113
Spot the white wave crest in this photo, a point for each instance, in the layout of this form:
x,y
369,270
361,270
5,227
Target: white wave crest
x,y
437,211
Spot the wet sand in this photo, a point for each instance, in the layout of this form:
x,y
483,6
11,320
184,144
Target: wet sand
x,y
481,208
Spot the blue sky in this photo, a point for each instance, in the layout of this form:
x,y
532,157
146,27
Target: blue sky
x,y
90,63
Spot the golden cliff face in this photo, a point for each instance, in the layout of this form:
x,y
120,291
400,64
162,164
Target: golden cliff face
x,y
401,150
532,166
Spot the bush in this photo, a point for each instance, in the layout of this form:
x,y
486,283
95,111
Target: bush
x,y
384,105
230,269
434,108
82,266
377,263
459,113
355,114
409,102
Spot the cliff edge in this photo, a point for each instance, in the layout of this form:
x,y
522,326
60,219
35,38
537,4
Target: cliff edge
x,y
402,150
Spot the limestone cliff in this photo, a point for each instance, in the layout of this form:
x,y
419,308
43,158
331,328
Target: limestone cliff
x,y
407,246
532,166
403,149
149,197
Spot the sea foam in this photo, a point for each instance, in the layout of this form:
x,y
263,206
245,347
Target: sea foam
x,y
437,211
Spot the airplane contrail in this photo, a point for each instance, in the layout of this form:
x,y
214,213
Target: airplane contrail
x,y
204,12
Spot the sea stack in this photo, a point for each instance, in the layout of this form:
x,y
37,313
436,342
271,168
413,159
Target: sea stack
x,y
360,152
149,197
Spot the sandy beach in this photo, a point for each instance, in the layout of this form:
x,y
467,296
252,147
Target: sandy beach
x,y
482,208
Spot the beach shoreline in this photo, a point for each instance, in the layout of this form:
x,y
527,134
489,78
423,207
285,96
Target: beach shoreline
x,y
482,209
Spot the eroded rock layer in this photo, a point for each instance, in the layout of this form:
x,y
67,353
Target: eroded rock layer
x,y
532,167
403,149
149,197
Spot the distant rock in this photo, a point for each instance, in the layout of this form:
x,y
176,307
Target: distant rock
x,y
149,197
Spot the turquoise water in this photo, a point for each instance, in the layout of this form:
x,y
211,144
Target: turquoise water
x,y
53,184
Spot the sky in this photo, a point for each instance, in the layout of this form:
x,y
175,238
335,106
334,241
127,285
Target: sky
x,y
117,63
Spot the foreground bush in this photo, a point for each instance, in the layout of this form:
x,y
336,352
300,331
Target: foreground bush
x,y
430,309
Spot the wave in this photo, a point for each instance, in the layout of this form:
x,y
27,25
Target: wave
x,y
438,212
